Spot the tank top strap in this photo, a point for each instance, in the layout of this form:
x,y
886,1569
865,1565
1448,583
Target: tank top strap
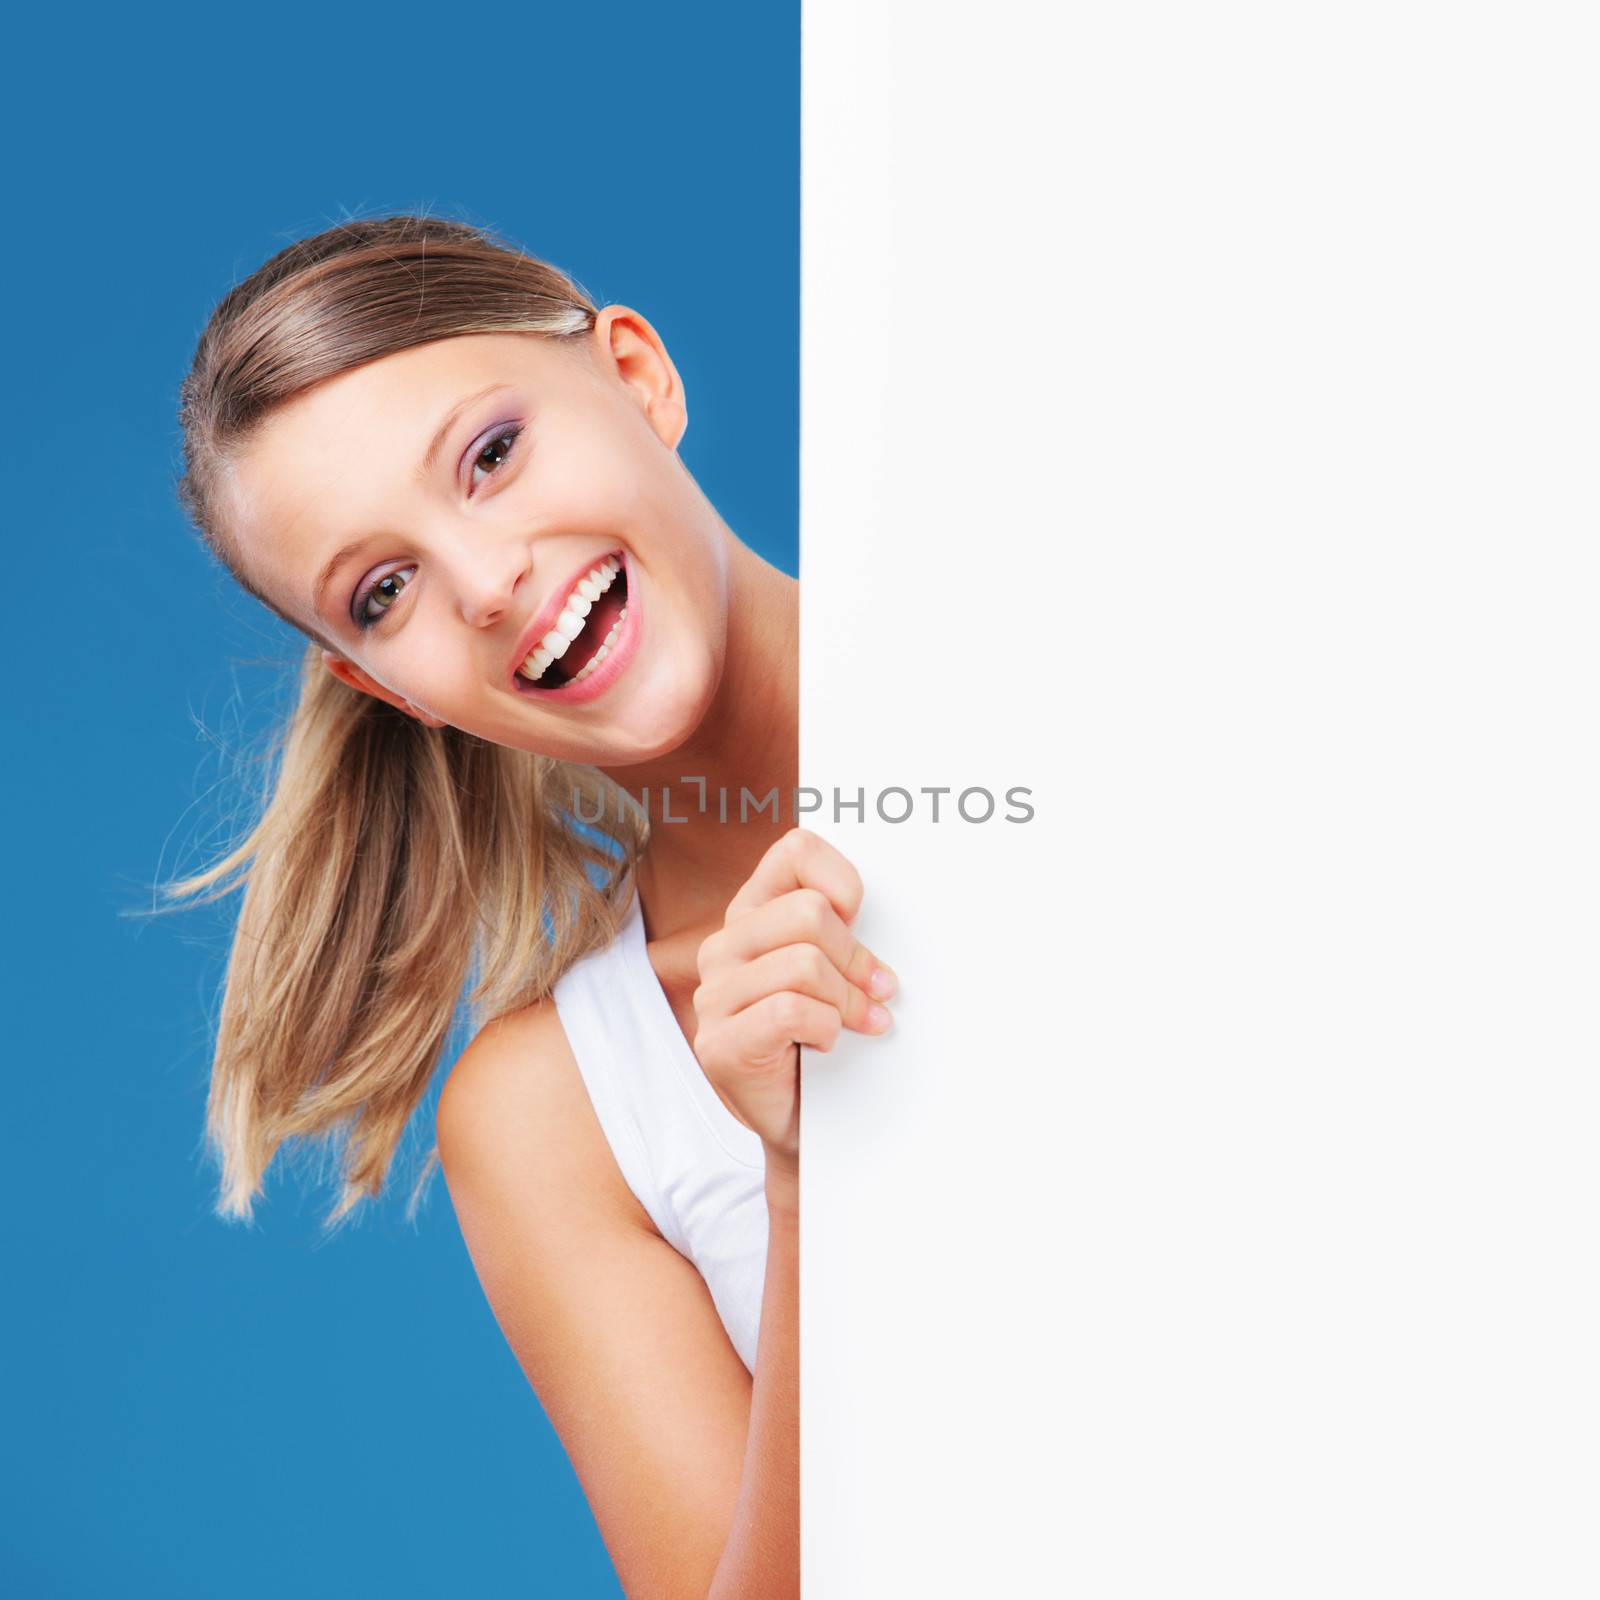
x,y
699,1172
738,1142
655,1104
607,1029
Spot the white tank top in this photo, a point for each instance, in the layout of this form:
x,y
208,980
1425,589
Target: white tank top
x,y
696,1169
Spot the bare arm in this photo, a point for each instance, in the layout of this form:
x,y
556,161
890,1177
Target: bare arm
x,y
762,1556
783,971
689,1467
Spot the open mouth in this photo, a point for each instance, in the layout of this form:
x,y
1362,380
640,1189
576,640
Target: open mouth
x,y
585,630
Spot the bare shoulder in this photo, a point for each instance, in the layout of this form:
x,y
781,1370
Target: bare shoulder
x,y
515,1108
613,1328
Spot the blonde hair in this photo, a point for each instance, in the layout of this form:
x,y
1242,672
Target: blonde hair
x,y
391,861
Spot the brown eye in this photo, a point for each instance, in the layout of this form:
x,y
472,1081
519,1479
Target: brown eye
x,y
382,595
493,455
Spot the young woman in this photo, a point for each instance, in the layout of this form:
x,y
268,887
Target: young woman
x,y
459,479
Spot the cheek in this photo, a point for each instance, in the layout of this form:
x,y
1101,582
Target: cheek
x,y
580,471
429,666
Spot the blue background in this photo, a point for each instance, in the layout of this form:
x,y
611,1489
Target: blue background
x,y
196,1408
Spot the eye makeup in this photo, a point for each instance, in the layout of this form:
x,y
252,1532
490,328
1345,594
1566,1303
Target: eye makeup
x,y
504,436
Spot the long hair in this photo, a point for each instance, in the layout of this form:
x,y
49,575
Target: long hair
x,y
392,862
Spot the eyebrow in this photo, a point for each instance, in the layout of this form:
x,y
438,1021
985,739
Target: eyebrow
x,y
330,566
425,467
451,417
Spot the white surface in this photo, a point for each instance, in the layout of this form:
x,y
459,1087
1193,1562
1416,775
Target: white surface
x,y
1222,1217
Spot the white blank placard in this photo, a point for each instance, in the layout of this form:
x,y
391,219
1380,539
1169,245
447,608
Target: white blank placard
x,y
1199,429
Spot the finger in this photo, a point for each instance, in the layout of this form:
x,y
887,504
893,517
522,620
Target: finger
x,y
800,860
768,1028
801,968
803,916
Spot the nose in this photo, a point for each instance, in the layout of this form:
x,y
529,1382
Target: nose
x,y
487,572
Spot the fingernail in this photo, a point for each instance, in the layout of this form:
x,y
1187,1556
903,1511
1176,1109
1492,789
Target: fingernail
x,y
881,983
877,1018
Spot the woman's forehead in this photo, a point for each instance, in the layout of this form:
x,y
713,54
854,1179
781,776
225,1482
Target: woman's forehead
x,y
334,461
391,411
408,386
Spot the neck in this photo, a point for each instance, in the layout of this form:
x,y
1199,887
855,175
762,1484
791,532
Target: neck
x,y
748,740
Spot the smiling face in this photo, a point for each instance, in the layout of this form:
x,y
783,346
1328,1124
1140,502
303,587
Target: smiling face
x,y
444,513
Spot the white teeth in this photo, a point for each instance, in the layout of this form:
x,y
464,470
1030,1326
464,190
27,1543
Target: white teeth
x,y
570,623
605,647
534,666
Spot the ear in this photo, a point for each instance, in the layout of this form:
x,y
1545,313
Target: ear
x,y
626,344
349,672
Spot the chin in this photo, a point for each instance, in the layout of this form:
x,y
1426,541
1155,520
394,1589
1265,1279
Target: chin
x,y
659,719
659,738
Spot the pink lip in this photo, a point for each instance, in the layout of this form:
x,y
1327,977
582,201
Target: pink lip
x,y
617,658
545,618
